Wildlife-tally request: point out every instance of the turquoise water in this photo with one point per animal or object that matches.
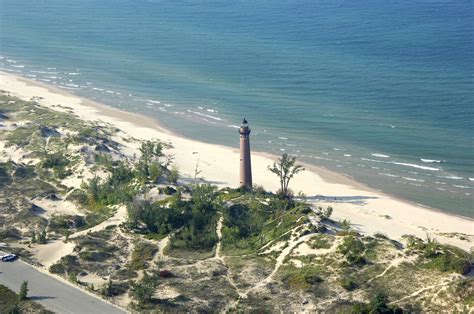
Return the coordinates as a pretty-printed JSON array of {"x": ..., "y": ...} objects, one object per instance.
[{"x": 379, "y": 90}]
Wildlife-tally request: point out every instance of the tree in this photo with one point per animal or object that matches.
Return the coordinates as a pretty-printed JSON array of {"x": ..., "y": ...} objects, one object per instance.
[
  {"x": 42, "y": 239},
  {"x": 107, "y": 288},
  {"x": 173, "y": 175},
  {"x": 155, "y": 172},
  {"x": 345, "y": 224},
  {"x": 23, "y": 295},
  {"x": 151, "y": 151},
  {"x": 285, "y": 169},
  {"x": 33, "y": 237},
  {"x": 66, "y": 236},
  {"x": 15, "y": 309},
  {"x": 143, "y": 290},
  {"x": 328, "y": 212}
]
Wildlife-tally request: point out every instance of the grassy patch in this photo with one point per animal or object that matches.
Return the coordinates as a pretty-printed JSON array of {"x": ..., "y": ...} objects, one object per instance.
[
  {"x": 143, "y": 253},
  {"x": 301, "y": 278},
  {"x": 321, "y": 241}
]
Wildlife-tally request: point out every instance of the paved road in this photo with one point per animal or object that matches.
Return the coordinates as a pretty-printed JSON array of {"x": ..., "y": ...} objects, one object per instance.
[{"x": 53, "y": 294}]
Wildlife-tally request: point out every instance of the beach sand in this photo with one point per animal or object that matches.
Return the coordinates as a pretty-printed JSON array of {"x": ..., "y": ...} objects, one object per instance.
[{"x": 368, "y": 210}]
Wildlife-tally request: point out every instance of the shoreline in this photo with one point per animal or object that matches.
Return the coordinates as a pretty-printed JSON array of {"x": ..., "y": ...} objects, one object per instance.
[{"x": 352, "y": 200}]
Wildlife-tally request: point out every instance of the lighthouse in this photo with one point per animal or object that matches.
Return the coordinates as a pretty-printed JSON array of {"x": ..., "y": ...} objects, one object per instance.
[{"x": 245, "y": 164}]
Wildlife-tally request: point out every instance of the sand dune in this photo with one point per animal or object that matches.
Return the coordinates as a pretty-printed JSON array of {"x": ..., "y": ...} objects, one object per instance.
[{"x": 369, "y": 211}]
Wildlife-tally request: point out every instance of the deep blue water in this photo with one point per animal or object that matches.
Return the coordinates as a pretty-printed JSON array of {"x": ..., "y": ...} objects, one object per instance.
[{"x": 341, "y": 84}]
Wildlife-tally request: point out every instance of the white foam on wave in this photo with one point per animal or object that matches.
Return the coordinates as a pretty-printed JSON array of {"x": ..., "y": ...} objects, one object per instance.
[
  {"x": 403, "y": 164},
  {"x": 388, "y": 175},
  {"x": 110, "y": 91},
  {"x": 99, "y": 89},
  {"x": 282, "y": 138},
  {"x": 167, "y": 105},
  {"x": 441, "y": 189},
  {"x": 439, "y": 182},
  {"x": 451, "y": 177},
  {"x": 18, "y": 66},
  {"x": 347, "y": 155},
  {"x": 431, "y": 160},
  {"x": 282, "y": 149},
  {"x": 153, "y": 101},
  {"x": 321, "y": 158},
  {"x": 71, "y": 85},
  {"x": 471, "y": 179},
  {"x": 461, "y": 186},
  {"x": 234, "y": 126},
  {"x": 373, "y": 160},
  {"x": 44, "y": 72},
  {"x": 205, "y": 115},
  {"x": 380, "y": 155},
  {"x": 413, "y": 179},
  {"x": 72, "y": 73},
  {"x": 11, "y": 61},
  {"x": 211, "y": 110},
  {"x": 415, "y": 166},
  {"x": 68, "y": 88}
]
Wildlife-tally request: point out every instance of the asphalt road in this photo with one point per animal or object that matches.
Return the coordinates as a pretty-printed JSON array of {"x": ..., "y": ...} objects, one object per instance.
[{"x": 53, "y": 294}]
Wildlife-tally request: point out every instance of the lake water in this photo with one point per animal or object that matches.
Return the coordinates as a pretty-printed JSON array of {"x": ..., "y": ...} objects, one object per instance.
[{"x": 379, "y": 90}]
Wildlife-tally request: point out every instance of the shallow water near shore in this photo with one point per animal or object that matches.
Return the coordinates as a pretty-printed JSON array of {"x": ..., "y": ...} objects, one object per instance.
[{"x": 378, "y": 91}]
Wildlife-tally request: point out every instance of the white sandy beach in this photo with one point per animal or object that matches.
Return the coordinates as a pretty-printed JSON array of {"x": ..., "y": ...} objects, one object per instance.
[{"x": 366, "y": 209}]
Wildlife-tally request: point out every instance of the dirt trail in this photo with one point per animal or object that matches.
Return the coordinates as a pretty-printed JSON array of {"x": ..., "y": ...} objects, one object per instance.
[
  {"x": 161, "y": 246},
  {"x": 219, "y": 238},
  {"x": 393, "y": 264},
  {"x": 119, "y": 217},
  {"x": 292, "y": 243},
  {"x": 418, "y": 292}
]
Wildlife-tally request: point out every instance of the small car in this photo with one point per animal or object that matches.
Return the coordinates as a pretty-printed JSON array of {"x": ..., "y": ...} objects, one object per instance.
[{"x": 9, "y": 258}]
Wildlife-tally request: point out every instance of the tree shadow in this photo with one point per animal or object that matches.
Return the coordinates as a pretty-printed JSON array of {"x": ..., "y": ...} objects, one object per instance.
[{"x": 40, "y": 297}]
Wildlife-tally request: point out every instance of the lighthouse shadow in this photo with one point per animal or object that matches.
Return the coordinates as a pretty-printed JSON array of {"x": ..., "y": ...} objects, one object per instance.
[
  {"x": 356, "y": 199},
  {"x": 189, "y": 181}
]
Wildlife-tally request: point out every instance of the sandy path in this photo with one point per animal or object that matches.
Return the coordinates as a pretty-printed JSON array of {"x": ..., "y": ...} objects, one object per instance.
[
  {"x": 119, "y": 217},
  {"x": 219, "y": 238}
]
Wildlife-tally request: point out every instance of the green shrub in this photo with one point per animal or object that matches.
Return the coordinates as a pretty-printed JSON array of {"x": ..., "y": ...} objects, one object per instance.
[
  {"x": 444, "y": 258},
  {"x": 142, "y": 255},
  {"x": 348, "y": 284},
  {"x": 302, "y": 278},
  {"x": 319, "y": 242}
]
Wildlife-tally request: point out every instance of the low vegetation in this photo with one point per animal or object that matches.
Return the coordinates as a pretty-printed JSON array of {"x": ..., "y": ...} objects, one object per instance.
[{"x": 197, "y": 248}]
